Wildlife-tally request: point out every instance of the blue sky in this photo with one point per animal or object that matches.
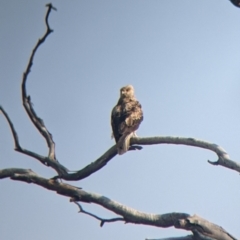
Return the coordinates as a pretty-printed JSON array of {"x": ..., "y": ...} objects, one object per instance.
[{"x": 183, "y": 59}]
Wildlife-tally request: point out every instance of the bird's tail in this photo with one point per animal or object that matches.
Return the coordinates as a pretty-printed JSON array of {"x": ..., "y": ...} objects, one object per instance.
[{"x": 124, "y": 143}]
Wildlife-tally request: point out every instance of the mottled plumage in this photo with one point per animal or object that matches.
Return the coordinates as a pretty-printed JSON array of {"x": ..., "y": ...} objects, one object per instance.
[{"x": 126, "y": 118}]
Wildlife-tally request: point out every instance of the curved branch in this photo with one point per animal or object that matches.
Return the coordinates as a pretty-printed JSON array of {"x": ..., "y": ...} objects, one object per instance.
[
  {"x": 203, "y": 229},
  {"x": 130, "y": 215},
  {"x": 199, "y": 226},
  {"x": 102, "y": 220},
  {"x": 60, "y": 169},
  {"x": 14, "y": 133},
  {"x": 16, "y": 140},
  {"x": 223, "y": 158},
  {"x": 92, "y": 167},
  {"x": 181, "y": 141},
  {"x": 38, "y": 122}
]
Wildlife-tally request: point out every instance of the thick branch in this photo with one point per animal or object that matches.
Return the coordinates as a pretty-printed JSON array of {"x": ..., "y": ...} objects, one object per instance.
[
  {"x": 200, "y": 228},
  {"x": 92, "y": 167},
  {"x": 9, "y": 172},
  {"x": 203, "y": 229},
  {"x": 130, "y": 215},
  {"x": 194, "y": 223},
  {"x": 223, "y": 158},
  {"x": 38, "y": 122},
  {"x": 189, "y": 237}
]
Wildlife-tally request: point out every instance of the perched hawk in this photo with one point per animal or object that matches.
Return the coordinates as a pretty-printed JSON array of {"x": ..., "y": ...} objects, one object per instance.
[{"x": 126, "y": 118}]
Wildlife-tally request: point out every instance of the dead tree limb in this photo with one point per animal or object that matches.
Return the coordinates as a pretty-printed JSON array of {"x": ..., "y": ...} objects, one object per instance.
[
  {"x": 26, "y": 99},
  {"x": 102, "y": 220},
  {"x": 60, "y": 169},
  {"x": 223, "y": 158},
  {"x": 200, "y": 228}
]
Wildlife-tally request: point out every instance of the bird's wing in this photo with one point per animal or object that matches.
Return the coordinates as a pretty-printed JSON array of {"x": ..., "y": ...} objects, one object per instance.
[
  {"x": 117, "y": 118},
  {"x": 133, "y": 118},
  {"x": 128, "y": 127}
]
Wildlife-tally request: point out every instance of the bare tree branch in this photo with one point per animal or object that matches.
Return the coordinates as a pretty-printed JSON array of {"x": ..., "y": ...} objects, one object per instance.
[
  {"x": 60, "y": 169},
  {"x": 14, "y": 133},
  {"x": 92, "y": 167},
  {"x": 223, "y": 158},
  {"x": 203, "y": 228},
  {"x": 16, "y": 140},
  {"x": 102, "y": 220},
  {"x": 38, "y": 122},
  {"x": 196, "y": 236},
  {"x": 8, "y": 172},
  {"x": 130, "y": 215},
  {"x": 199, "y": 226},
  {"x": 189, "y": 237},
  {"x": 76, "y": 194}
]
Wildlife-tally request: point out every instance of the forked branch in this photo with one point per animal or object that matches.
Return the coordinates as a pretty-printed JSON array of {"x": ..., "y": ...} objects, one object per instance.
[
  {"x": 200, "y": 228},
  {"x": 60, "y": 169},
  {"x": 223, "y": 158},
  {"x": 39, "y": 124},
  {"x": 196, "y": 224},
  {"x": 26, "y": 99},
  {"x": 16, "y": 140},
  {"x": 102, "y": 220}
]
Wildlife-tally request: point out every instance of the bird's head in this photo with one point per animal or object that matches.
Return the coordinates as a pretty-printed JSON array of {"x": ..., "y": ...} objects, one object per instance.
[{"x": 127, "y": 91}]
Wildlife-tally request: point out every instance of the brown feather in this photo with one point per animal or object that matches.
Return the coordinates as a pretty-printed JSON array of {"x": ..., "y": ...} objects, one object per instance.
[{"x": 126, "y": 118}]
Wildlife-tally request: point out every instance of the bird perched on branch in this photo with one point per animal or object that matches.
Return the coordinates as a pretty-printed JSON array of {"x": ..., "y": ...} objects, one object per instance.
[{"x": 126, "y": 118}]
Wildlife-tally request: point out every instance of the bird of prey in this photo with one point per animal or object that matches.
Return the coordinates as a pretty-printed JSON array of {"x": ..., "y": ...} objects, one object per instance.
[{"x": 125, "y": 118}]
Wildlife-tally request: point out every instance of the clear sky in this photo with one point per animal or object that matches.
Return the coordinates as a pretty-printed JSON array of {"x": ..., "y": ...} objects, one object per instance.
[{"x": 183, "y": 59}]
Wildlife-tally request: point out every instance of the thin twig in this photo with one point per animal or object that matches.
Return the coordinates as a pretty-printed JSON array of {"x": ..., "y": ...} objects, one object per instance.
[
  {"x": 14, "y": 133},
  {"x": 38, "y": 122},
  {"x": 102, "y": 220},
  {"x": 16, "y": 140},
  {"x": 60, "y": 169}
]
